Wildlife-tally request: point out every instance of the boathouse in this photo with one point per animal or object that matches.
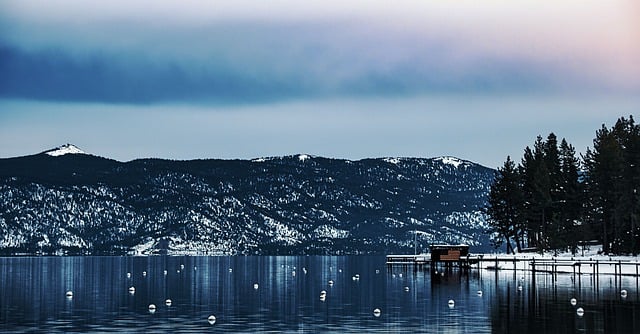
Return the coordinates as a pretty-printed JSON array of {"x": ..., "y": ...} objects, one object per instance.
[{"x": 448, "y": 253}]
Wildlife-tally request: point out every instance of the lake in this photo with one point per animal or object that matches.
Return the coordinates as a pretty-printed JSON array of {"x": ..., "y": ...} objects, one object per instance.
[{"x": 283, "y": 294}]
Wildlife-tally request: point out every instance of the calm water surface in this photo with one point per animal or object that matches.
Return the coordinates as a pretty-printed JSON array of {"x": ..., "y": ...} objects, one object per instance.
[{"x": 287, "y": 297}]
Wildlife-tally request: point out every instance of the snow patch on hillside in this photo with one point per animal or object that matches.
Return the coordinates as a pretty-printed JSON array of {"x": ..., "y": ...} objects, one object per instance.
[
  {"x": 450, "y": 161},
  {"x": 65, "y": 149},
  {"x": 328, "y": 231}
]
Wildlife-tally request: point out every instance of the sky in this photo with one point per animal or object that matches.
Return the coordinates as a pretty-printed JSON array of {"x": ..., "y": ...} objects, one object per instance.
[{"x": 343, "y": 79}]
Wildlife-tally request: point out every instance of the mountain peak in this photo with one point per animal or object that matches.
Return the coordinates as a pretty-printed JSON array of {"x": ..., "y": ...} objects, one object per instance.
[
  {"x": 448, "y": 160},
  {"x": 64, "y": 149}
]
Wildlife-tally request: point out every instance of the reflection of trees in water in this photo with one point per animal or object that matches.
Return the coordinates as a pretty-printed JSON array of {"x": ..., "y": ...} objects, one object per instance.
[{"x": 543, "y": 305}]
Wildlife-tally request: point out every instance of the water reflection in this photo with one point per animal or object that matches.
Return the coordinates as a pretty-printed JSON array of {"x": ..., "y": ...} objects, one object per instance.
[{"x": 284, "y": 294}]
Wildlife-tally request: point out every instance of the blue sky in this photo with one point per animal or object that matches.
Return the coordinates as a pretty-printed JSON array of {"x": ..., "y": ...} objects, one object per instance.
[{"x": 245, "y": 79}]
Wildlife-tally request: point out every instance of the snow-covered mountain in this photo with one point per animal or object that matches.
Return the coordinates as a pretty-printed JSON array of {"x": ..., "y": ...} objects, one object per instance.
[{"x": 302, "y": 204}]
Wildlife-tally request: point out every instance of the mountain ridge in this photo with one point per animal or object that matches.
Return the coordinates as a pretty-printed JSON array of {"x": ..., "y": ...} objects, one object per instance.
[
  {"x": 297, "y": 204},
  {"x": 302, "y": 156}
]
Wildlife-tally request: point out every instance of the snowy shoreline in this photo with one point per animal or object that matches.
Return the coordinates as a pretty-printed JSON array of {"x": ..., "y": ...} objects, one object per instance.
[{"x": 562, "y": 263}]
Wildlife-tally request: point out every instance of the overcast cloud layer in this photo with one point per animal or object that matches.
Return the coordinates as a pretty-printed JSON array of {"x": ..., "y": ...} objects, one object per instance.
[{"x": 294, "y": 65}]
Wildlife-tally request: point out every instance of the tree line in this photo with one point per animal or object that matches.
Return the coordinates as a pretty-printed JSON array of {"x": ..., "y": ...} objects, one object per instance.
[{"x": 555, "y": 200}]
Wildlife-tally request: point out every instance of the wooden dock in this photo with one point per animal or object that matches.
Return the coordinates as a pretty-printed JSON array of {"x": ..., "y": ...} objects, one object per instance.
[
  {"x": 420, "y": 259},
  {"x": 551, "y": 265},
  {"x": 448, "y": 255}
]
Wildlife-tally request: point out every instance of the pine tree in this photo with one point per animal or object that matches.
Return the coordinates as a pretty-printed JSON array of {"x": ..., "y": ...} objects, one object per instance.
[
  {"x": 537, "y": 185},
  {"x": 504, "y": 206},
  {"x": 528, "y": 212},
  {"x": 627, "y": 136},
  {"x": 605, "y": 173},
  {"x": 552, "y": 209},
  {"x": 571, "y": 202},
  {"x": 632, "y": 175}
]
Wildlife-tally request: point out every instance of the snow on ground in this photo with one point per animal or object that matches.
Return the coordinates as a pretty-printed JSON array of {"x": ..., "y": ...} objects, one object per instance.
[
  {"x": 65, "y": 149},
  {"x": 145, "y": 248},
  {"x": 303, "y": 157},
  {"x": 327, "y": 231},
  {"x": 179, "y": 247},
  {"x": 394, "y": 161},
  {"x": 564, "y": 262},
  {"x": 450, "y": 161}
]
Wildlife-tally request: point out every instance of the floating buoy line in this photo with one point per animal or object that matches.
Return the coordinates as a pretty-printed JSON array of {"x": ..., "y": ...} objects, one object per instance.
[{"x": 152, "y": 308}]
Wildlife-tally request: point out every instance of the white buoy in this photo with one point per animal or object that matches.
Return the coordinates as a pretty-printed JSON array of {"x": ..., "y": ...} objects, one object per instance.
[
  {"x": 623, "y": 293},
  {"x": 451, "y": 303},
  {"x": 178, "y": 271},
  {"x": 377, "y": 272},
  {"x": 144, "y": 274},
  {"x": 353, "y": 278},
  {"x": 211, "y": 319},
  {"x": 255, "y": 286},
  {"x": 132, "y": 290},
  {"x": 152, "y": 308},
  {"x": 393, "y": 275},
  {"x": 165, "y": 272},
  {"x": 195, "y": 268},
  {"x": 182, "y": 267},
  {"x": 69, "y": 294},
  {"x": 376, "y": 312},
  {"x": 168, "y": 302},
  {"x": 580, "y": 311},
  {"x": 339, "y": 270},
  {"x": 400, "y": 275},
  {"x": 128, "y": 275},
  {"x": 573, "y": 302},
  {"x": 406, "y": 288},
  {"x": 479, "y": 293},
  {"x": 330, "y": 282}
]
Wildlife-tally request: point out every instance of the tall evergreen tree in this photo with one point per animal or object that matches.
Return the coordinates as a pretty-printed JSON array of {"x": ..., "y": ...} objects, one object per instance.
[
  {"x": 571, "y": 198},
  {"x": 537, "y": 185},
  {"x": 605, "y": 166},
  {"x": 552, "y": 209},
  {"x": 504, "y": 206},
  {"x": 627, "y": 134},
  {"x": 632, "y": 175}
]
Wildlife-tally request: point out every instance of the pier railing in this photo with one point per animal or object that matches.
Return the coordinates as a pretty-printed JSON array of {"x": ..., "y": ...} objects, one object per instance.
[{"x": 552, "y": 265}]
